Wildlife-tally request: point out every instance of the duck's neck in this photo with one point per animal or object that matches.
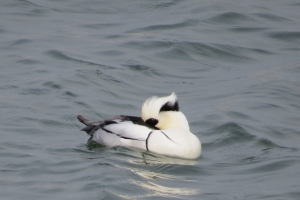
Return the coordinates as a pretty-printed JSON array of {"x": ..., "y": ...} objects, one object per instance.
[{"x": 172, "y": 119}]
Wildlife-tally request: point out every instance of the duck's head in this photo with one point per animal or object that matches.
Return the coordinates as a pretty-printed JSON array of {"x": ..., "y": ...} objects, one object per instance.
[{"x": 163, "y": 113}]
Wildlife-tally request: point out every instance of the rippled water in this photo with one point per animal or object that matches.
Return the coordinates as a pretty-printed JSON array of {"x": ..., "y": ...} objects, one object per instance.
[{"x": 234, "y": 65}]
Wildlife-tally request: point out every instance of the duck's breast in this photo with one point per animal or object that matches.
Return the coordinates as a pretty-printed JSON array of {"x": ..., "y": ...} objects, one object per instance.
[{"x": 177, "y": 142}]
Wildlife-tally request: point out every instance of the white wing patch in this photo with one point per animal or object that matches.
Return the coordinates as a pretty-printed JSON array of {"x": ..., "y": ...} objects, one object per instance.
[{"x": 128, "y": 130}]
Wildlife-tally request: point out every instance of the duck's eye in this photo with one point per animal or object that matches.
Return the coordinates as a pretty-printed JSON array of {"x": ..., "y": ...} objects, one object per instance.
[{"x": 152, "y": 121}]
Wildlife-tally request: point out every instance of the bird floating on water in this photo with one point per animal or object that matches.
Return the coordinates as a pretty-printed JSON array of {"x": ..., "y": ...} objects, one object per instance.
[{"x": 161, "y": 129}]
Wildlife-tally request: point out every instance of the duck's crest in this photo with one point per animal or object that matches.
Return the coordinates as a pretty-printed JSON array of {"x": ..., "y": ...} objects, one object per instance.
[{"x": 154, "y": 105}]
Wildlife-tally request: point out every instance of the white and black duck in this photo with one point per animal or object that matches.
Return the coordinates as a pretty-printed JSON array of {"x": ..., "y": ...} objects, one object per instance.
[{"x": 162, "y": 129}]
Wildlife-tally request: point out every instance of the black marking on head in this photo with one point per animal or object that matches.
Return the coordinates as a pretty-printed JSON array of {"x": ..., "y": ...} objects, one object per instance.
[
  {"x": 152, "y": 122},
  {"x": 169, "y": 106}
]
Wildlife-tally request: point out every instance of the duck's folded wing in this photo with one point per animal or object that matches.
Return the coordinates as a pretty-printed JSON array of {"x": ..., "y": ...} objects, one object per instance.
[
  {"x": 128, "y": 130},
  {"x": 121, "y": 133},
  {"x": 118, "y": 131}
]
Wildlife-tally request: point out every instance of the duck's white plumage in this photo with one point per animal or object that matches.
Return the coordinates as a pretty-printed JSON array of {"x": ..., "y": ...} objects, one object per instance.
[
  {"x": 152, "y": 106},
  {"x": 162, "y": 129}
]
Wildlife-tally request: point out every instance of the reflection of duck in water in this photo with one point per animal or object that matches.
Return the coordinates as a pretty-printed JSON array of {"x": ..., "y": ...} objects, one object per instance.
[{"x": 162, "y": 129}]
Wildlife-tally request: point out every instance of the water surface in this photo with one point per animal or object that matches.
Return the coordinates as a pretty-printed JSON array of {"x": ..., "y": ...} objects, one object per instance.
[{"x": 234, "y": 65}]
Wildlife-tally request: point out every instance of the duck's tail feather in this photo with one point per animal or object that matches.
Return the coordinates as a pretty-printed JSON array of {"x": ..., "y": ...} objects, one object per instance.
[
  {"x": 84, "y": 120},
  {"x": 88, "y": 122},
  {"x": 91, "y": 126},
  {"x": 88, "y": 129}
]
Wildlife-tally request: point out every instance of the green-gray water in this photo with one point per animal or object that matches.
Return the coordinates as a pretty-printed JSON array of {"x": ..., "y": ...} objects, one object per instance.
[{"x": 235, "y": 66}]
